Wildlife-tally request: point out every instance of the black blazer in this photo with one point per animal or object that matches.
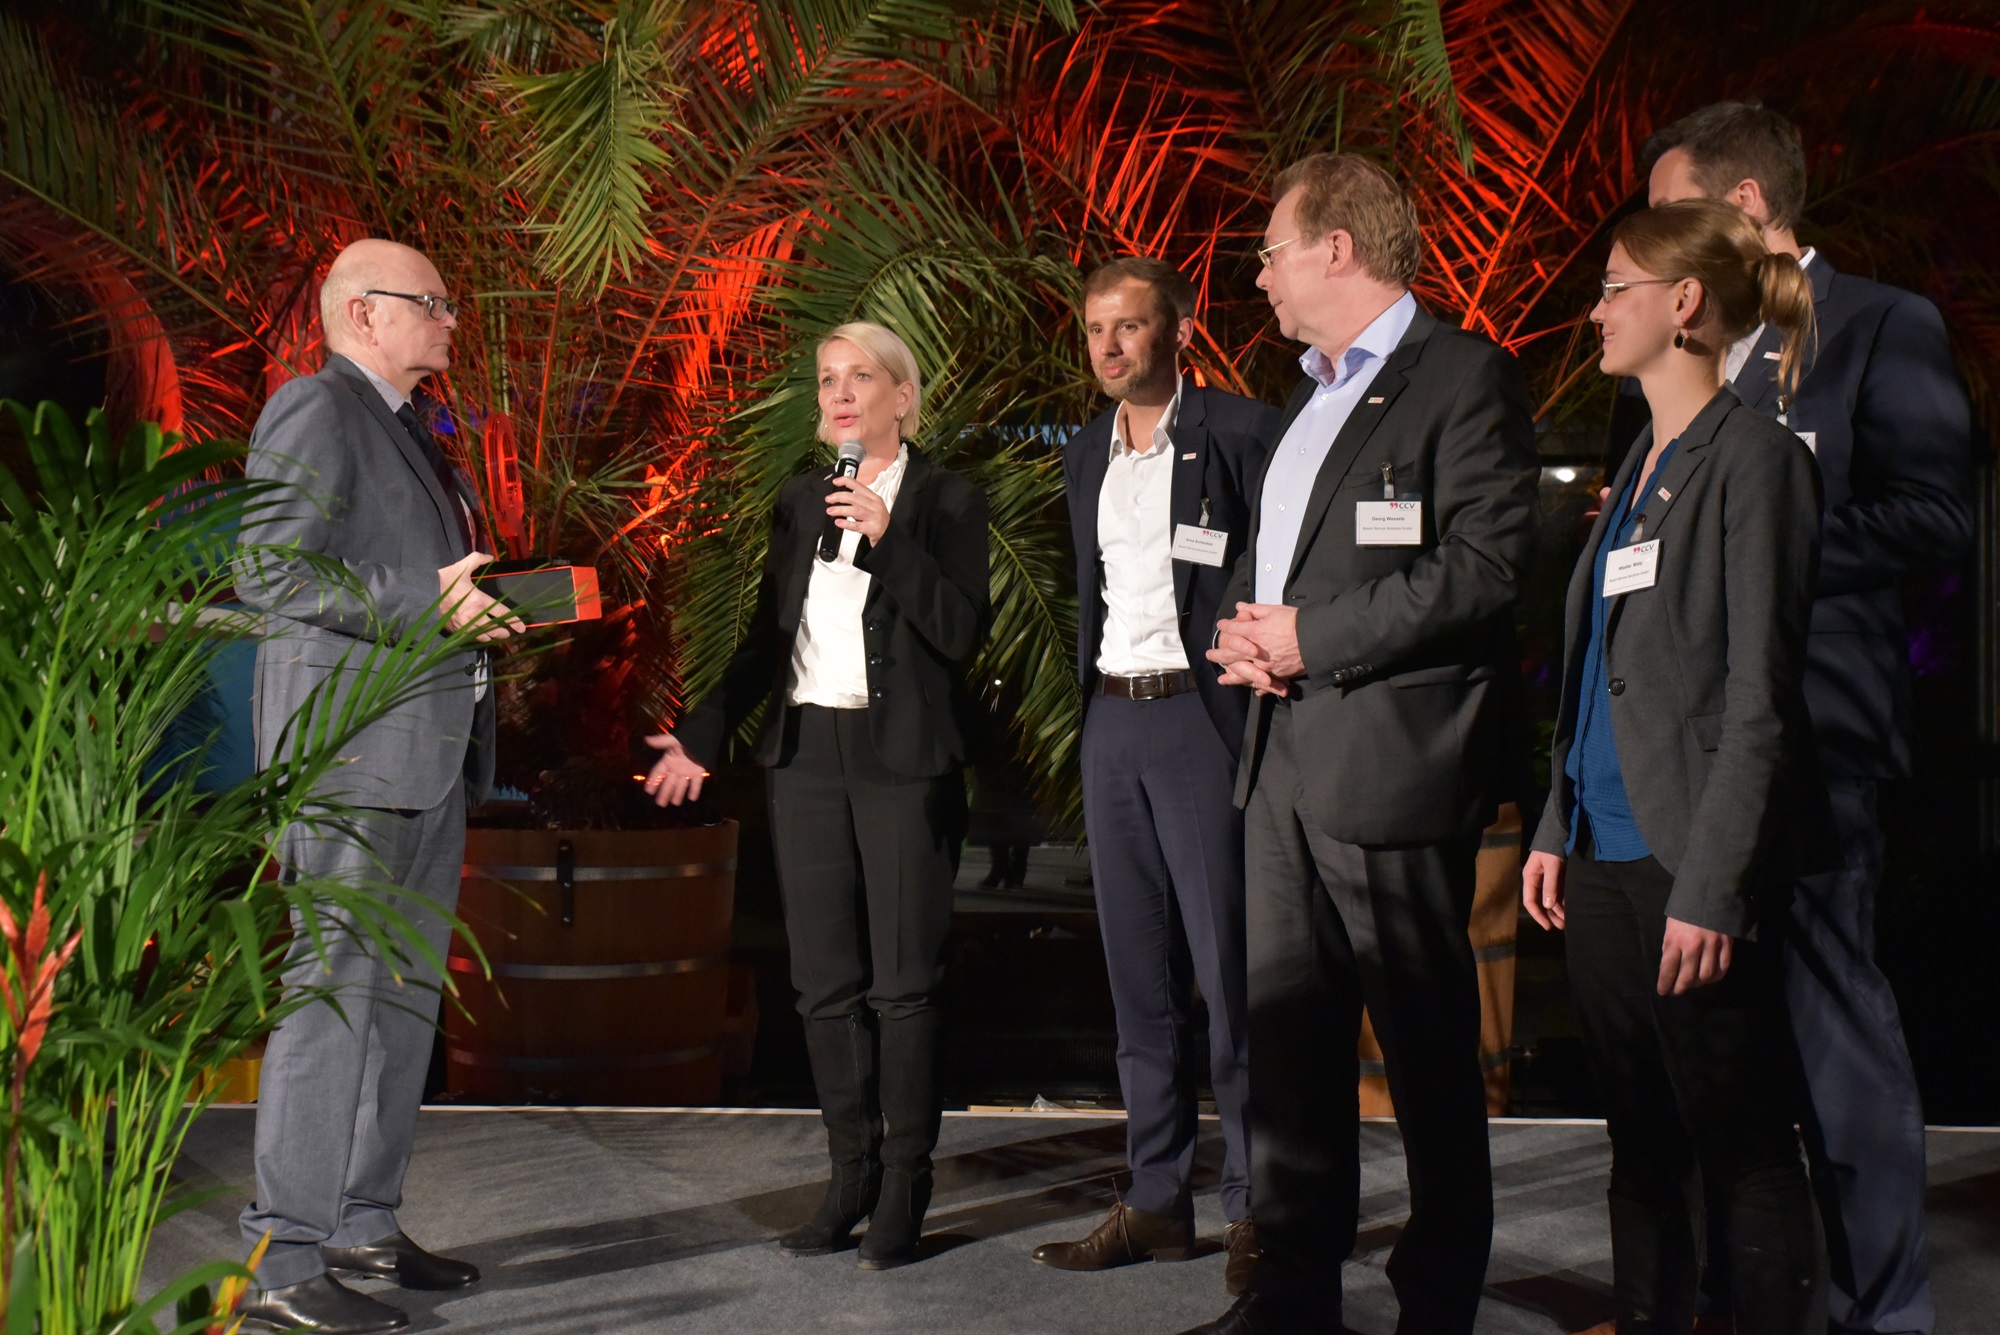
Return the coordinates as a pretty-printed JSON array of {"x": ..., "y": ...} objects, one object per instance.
[
  {"x": 1220, "y": 441},
  {"x": 1407, "y": 705},
  {"x": 924, "y": 619},
  {"x": 1892, "y": 431},
  {"x": 1714, "y": 742}
]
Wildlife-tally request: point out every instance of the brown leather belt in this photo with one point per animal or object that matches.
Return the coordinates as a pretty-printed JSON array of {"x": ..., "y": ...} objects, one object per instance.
[{"x": 1146, "y": 685}]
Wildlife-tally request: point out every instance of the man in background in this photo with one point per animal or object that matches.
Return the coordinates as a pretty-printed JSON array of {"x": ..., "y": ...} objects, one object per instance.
[
  {"x": 362, "y": 483},
  {"x": 1882, "y": 407},
  {"x": 1159, "y": 509}
]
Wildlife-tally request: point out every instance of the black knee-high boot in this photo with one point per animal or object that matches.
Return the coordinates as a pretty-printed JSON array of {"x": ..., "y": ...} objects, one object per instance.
[
  {"x": 842, "y": 1051},
  {"x": 910, "y": 1114}
]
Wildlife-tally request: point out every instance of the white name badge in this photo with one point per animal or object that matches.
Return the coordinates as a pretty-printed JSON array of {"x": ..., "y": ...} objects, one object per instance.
[
  {"x": 1203, "y": 546},
  {"x": 1811, "y": 438},
  {"x": 1388, "y": 523},
  {"x": 1632, "y": 568}
]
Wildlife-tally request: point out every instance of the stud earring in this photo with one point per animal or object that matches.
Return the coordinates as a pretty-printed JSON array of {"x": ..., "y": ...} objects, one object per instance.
[{"x": 1680, "y": 338}]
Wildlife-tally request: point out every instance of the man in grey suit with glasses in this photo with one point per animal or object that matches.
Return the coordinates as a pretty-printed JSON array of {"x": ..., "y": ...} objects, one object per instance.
[{"x": 362, "y": 483}]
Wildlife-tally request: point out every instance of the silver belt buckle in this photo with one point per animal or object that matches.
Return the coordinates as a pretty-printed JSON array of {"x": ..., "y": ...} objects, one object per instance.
[{"x": 1149, "y": 686}]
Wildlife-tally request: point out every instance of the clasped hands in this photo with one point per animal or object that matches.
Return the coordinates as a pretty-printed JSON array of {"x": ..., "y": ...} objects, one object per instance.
[
  {"x": 1690, "y": 956},
  {"x": 1259, "y": 648}
]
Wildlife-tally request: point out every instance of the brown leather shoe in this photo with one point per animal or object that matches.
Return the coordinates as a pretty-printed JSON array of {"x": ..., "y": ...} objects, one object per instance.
[
  {"x": 1244, "y": 1253},
  {"x": 1126, "y": 1237}
]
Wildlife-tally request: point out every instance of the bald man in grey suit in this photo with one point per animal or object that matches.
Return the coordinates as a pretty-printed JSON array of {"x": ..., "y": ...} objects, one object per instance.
[{"x": 361, "y": 482}]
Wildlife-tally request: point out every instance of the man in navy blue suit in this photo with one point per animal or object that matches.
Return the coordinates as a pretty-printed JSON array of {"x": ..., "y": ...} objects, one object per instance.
[
  {"x": 1158, "y": 489},
  {"x": 1882, "y": 407}
]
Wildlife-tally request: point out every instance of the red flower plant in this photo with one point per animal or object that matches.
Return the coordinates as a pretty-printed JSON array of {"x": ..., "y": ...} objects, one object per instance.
[{"x": 28, "y": 989}]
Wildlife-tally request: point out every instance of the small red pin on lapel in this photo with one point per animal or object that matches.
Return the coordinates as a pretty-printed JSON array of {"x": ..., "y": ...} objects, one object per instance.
[{"x": 1666, "y": 495}]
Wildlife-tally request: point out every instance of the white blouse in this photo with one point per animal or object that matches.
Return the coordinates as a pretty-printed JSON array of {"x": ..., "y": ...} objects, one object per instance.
[{"x": 829, "y": 659}]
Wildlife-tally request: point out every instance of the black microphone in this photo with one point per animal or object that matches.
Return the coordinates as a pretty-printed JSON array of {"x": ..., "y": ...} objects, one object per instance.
[{"x": 847, "y": 465}]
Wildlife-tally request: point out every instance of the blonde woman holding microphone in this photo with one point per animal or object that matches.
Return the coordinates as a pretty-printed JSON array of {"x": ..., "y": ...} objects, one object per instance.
[
  {"x": 1684, "y": 790},
  {"x": 873, "y": 602}
]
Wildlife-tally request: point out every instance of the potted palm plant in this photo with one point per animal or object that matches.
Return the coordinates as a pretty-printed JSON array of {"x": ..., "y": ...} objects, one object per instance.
[{"x": 143, "y": 941}]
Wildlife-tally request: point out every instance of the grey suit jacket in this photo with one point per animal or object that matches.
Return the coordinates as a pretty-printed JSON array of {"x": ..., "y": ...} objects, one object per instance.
[
  {"x": 1714, "y": 742},
  {"x": 357, "y": 489},
  {"x": 1407, "y": 703}
]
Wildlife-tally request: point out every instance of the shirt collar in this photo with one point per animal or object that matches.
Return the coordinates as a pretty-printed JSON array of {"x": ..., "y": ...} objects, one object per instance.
[
  {"x": 892, "y": 476},
  {"x": 392, "y": 396},
  {"x": 1162, "y": 434},
  {"x": 1807, "y": 256},
  {"x": 1378, "y": 340}
]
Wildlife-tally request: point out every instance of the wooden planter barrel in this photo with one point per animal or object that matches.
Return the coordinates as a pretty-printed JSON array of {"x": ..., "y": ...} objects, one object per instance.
[
  {"x": 611, "y": 977},
  {"x": 1496, "y": 906}
]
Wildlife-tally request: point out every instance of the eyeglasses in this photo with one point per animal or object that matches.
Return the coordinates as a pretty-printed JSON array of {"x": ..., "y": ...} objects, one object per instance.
[
  {"x": 1613, "y": 289},
  {"x": 1264, "y": 253},
  {"x": 428, "y": 302}
]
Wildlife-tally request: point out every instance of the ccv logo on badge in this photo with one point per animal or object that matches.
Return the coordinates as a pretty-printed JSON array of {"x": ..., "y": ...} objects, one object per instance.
[{"x": 1404, "y": 505}]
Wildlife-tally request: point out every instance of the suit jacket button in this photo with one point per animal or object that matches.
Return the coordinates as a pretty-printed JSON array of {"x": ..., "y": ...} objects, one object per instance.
[
  {"x": 874, "y": 660},
  {"x": 878, "y": 692},
  {"x": 873, "y": 625},
  {"x": 1616, "y": 686}
]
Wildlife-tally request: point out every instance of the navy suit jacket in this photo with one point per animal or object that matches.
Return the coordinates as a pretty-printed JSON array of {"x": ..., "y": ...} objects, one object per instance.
[
  {"x": 1220, "y": 442},
  {"x": 1889, "y": 421}
]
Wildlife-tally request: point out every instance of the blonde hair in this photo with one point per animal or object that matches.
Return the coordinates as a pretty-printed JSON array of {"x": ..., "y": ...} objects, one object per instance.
[
  {"x": 1344, "y": 193},
  {"x": 1745, "y": 282},
  {"x": 893, "y": 355}
]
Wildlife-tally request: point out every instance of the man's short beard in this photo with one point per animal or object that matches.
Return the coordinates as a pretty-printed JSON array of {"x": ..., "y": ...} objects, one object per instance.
[{"x": 1159, "y": 372}]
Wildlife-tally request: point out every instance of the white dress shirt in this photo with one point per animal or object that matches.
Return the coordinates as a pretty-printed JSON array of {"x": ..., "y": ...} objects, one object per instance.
[
  {"x": 829, "y": 659},
  {"x": 397, "y": 399},
  {"x": 1739, "y": 351},
  {"x": 1295, "y": 464},
  {"x": 1142, "y": 630}
]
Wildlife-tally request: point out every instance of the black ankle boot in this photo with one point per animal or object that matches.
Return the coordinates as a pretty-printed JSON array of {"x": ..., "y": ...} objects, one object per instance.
[
  {"x": 842, "y": 1050},
  {"x": 910, "y": 1114},
  {"x": 895, "y": 1232}
]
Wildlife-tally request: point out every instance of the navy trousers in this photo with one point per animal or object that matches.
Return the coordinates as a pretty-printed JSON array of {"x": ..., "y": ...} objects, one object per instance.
[
  {"x": 1865, "y": 1134},
  {"x": 1166, "y": 856}
]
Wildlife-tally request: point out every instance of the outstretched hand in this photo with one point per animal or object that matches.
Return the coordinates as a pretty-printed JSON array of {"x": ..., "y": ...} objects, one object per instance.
[{"x": 675, "y": 778}]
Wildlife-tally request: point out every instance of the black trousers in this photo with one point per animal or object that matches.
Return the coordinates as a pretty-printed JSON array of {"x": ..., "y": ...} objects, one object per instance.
[
  {"x": 1166, "y": 858},
  {"x": 865, "y": 868},
  {"x": 1698, "y": 1094},
  {"x": 1865, "y": 1138},
  {"x": 1333, "y": 926}
]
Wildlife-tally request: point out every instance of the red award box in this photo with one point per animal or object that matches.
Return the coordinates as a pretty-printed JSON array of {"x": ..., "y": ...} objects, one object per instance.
[{"x": 543, "y": 594}]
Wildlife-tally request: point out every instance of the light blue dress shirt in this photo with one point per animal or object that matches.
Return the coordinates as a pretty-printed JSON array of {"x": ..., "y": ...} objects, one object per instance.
[{"x": 1296, "y": 462}]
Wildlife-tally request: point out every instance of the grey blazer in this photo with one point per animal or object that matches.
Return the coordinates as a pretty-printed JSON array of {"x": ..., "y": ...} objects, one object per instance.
[
  {"x": 1407, "y": 704},
  {"x": 1714, "y": 742},
  {"x": 358, "y": 490}
]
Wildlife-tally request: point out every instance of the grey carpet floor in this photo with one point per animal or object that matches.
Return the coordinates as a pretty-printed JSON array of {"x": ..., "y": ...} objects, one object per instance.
[{"x": 634, "y": 1221}]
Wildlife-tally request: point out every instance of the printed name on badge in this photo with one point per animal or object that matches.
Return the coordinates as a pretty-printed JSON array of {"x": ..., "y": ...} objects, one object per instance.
[
  {"x": 1203, "y": 546},
  {"x": 1388, "y": 523},
  {"x": 1630, "y": 569}
]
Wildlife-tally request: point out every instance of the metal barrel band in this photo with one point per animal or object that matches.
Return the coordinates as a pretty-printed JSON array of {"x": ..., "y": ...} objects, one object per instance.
[
  {"x": 638, "y": 1061},
  {"x": 577, "y": 973},
  {"x": 679, "y": 871}
]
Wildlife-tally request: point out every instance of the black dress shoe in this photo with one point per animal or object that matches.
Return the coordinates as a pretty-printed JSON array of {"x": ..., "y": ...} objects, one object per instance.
[
  {"x": 321, "y": 1303},
  {"x": 1253, "y": 1314},
  {"x": 401, "y": 1262}
]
